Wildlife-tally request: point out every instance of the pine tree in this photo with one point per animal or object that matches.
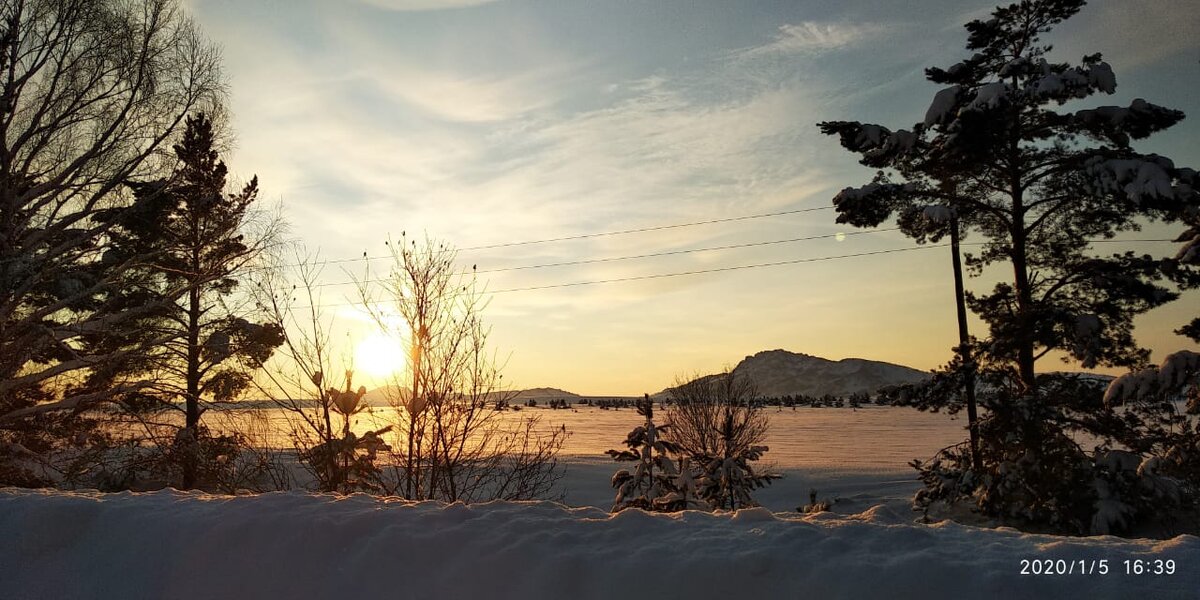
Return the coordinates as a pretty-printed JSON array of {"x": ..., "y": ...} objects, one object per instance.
[
  {"x": 1036, "y": 182},
  {"x": 196, "y": 234},
  {"x": 726, "y": 477},
  {"x": 1167, "y": 438},
  {"x": 656, "y": 483},
  {"x": 346, "y": 464}
]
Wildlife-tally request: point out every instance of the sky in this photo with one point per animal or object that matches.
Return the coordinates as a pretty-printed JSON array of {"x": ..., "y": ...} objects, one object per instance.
[{"x": 484, "y": 122}]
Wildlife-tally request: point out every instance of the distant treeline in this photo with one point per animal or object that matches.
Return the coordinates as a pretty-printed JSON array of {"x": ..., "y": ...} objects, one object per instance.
[{"x": 802, "y": 400}]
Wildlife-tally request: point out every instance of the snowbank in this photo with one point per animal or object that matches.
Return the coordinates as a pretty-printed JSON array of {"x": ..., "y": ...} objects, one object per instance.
[{"x": 177, "y": 545}]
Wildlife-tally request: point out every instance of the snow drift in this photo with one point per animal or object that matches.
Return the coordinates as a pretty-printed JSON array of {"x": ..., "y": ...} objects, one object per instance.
[{"x": 285, "y": 545}]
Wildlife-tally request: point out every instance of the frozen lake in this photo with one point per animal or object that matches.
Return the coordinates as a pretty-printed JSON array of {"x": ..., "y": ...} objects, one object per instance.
[
  {"x": 859, "y": 455},
  {"x": 871, "y": 437}
]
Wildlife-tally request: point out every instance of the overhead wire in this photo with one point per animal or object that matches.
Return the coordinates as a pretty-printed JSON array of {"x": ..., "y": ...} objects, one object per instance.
[
  {"x": 691, "y": 251},
  {"x": 715, "y": 269},
  {"x": 720, "y": 269},
  {"x": 590, "y": 261},
  {"x": 685, "y": 273},
  {"x": 583, "y": 236}
]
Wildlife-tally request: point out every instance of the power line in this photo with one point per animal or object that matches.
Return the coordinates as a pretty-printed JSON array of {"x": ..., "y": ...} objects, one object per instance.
[
  {"x": 691, "y": 251},
  {"x": 1131, "y": 241},
  {"x": 590, "y": 261},
  {"x": 683, "y": 273},
  {"x": 657, "y": 228},
  {"x": 605, "y": 233},
  {"x": 724, "y": 269},
  {"x": 720, "y": 269}
]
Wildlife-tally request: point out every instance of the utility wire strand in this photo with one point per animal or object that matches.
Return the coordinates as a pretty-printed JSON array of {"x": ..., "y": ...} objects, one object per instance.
[
  {"x": 660, "y": 228},
  {"x": 1131, "y": 241},
  {"x": 680, "y": 273},
  {"x": 720, "y": 269},
  {"x": 607, "y": 233},
  {"x": 657, "y": 228},
  {"x": 590, "y": 261}
]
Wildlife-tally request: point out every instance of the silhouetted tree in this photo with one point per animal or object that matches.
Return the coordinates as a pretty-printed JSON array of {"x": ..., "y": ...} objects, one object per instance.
[
  {"x": 1189, "y": 253},
  {"x": 726, "y": 477},
  {"x": 92, "y": 91},
  {"x": 1037, "y": 182},
  {"x": 300, "y": 380},
  {"x": 1166, "y": 439},
  {"x": 200, "y": 246},
  {"x": 451, "y": 444},
  {"x": 698, "y": 408}
]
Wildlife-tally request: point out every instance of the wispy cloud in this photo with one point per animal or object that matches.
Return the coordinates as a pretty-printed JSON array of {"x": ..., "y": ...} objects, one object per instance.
[
  {"x": 369, "y": 123},
  {"x": 423, "y": 5},
  {"x": 395, "y": 144},
  {"x": 812, "y": 36},
  {"x": 1144, "y": 32},
  {"x": 464, "y": 99}
]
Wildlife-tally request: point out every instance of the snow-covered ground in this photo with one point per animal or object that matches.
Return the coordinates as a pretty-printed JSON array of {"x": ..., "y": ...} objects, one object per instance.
[
  {"x": 284, "y": 545},
  {"x": 294, "y": 545}
]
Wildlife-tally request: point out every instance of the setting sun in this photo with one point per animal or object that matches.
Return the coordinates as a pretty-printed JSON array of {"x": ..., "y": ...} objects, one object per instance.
[{"x": 379, "y": 355}]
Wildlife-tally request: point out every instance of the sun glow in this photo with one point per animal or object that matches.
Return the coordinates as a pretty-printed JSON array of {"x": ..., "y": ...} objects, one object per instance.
[{"x": 379, "y": 356}]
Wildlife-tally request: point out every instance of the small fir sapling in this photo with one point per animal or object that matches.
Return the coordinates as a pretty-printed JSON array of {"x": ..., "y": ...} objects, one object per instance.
[
  {"x": 655, "y": 483},
  {"x": 727, "y": 478},
  {"x": 347, "y": 464}
]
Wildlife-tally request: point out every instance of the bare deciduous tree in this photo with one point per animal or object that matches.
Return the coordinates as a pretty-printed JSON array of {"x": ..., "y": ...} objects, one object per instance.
[
  {"x": 699, "y": 406},
  {"x": 91, "y": 91},
  {"x": 299, "y": 380},
  {"x": 452, "y": 442},
  {"x": 716, "y": 423}
]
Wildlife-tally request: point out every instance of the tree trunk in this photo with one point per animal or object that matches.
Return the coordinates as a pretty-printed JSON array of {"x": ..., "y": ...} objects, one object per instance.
[
  {"x": 1025, "y": 335},
  {"x": 409, "y": 466},
  {"x": 964, "y": 345},
  {"x": 192, "y": 400}
]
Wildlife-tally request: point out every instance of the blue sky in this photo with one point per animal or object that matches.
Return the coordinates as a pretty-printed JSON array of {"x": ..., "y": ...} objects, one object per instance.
[{"x": 488, "y": 122}]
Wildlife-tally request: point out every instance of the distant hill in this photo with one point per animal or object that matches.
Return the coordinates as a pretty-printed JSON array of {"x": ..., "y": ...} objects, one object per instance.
[
  {"x": 547, "y": 393},
  {"x": 779, "y": 373},
  {"x": 379, "y": 396}
]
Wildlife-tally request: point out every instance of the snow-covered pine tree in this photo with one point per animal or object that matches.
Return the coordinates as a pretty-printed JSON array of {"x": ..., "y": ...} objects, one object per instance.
[
  {"x": 1037, "y": 182},
  {"x": 1189, "y": 253},
  {"x": 718, "y": 424},
  {"x": 1163, "y": 473},
  {"x": 655, "y": 483}
]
